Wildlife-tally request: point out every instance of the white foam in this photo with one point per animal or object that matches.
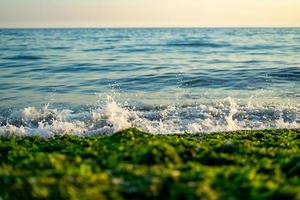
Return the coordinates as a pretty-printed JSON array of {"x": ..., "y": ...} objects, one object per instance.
[
  {"x": 116, "y": 116},
  {"x": 111, "y": 116},
  {"x": 11, "y": 130}
]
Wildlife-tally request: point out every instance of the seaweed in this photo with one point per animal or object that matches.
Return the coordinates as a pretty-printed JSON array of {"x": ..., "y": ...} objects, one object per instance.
[{"x": 131, "y": 164}]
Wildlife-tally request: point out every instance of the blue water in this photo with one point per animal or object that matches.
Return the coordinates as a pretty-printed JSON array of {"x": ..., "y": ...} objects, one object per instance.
[{"x": 161, "y": 80}]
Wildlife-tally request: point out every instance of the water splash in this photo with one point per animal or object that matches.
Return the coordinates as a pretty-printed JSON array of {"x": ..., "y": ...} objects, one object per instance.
[
  {"x": 231, "y": 123},
  {"x": 111, "y": 116}
]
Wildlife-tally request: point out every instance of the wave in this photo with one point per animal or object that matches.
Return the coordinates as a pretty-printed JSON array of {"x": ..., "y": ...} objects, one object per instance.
[
  {"x": 24, "y": 57},
  {"x": 259, "y": 47},
  {"x": 197, "y": 44},
  {"x": 97, "y": 49},
  {"x": 111, "y": 117},
  {"x": 59, "y": 48}
]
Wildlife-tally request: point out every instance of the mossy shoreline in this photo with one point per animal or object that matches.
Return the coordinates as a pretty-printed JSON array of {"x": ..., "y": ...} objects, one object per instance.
[{"x": 131, "y": 164}]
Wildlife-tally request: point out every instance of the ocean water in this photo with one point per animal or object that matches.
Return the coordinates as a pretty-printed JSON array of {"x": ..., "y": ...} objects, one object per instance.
[{"x": 95, "y": 81}]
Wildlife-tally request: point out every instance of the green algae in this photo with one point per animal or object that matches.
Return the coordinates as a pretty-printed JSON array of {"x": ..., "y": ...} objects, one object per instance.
[{"x": 135, "y": 165}]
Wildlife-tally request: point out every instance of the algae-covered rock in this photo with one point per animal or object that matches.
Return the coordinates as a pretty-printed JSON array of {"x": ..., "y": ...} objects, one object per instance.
[{"x": 134, "y": 165}]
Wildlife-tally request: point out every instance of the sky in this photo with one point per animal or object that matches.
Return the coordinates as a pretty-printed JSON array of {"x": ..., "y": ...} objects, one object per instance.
[{"x": 149, "y": 13}]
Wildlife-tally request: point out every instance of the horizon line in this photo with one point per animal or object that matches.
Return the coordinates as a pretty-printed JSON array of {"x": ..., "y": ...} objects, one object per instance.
[{"x": 138, "y": 27}]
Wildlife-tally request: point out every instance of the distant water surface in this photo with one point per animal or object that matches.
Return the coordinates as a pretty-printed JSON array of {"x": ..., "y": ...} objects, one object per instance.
[{"x": 91, "y": 81}]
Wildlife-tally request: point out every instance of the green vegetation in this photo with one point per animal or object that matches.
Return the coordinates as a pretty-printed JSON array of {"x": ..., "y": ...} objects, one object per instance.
[{"x": 135, "y": 165}]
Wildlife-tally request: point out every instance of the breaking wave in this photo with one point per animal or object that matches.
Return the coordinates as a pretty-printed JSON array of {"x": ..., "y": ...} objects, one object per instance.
[{"x": 111, "y": 116}]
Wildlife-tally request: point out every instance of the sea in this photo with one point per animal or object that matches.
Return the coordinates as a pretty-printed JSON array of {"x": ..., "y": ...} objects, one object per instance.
[{"x": 92, "y": 81}]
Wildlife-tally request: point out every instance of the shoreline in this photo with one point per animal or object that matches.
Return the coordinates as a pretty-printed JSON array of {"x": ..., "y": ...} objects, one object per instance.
[{"x": 87, "y": 136}]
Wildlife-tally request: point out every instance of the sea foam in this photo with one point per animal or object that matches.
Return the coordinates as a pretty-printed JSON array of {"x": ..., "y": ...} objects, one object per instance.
[{"x": 111, "y": 117}]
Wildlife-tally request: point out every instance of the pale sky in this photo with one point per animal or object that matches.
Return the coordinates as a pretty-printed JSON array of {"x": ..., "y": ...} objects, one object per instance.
[{"x": 149, "y": 13}]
